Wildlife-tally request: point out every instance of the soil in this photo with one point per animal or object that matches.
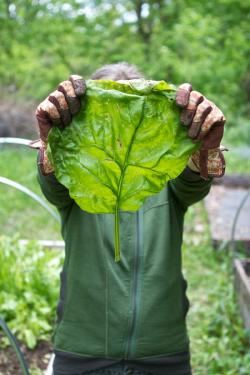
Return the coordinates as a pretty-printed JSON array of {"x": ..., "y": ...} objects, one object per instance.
[{"x": 38, "y": 357}]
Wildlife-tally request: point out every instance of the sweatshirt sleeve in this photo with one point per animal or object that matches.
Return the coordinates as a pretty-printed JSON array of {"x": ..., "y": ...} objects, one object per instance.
[
  {"x": 189, "y": 187},
  {"x": 54, "y": 191}
]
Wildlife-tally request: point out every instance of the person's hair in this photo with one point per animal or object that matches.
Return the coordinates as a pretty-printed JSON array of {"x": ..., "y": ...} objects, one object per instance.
[{"x": 116, "y": 72}]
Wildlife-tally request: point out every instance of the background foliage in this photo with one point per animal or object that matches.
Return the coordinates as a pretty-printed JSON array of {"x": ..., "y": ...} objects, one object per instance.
[{"x": 206, "y": 43}]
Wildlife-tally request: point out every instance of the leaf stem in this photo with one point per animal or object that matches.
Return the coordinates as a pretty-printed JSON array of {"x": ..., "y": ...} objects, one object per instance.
[
  {"x": 117, "y": 234},
  {"x": 117, "y": 225}
]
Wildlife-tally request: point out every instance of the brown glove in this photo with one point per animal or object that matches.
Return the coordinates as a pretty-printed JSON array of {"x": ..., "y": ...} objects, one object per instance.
[
  {"x": 57, "y": 110},
  {"x": 206, "y": 124}
]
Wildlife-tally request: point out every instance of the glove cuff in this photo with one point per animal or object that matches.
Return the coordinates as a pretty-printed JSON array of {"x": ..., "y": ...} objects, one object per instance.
[
  {"x": 43, "y": 161},
  {"x": 193, "y": 166},
  {"x": 210, "y": 163}
]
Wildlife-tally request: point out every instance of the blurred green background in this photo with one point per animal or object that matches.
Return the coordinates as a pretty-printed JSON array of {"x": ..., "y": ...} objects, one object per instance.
[
  {"x": 206, "y": 43},
  {"x": 42, "y": 42}
]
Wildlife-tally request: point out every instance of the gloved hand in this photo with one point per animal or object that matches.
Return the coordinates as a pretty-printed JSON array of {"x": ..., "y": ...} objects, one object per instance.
[
  {"x": 57, "y": 110},
  {"x": 205, "y": 123}
]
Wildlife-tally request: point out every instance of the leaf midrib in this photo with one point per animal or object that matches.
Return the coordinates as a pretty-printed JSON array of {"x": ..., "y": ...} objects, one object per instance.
[{"x": 125, "y": 164}]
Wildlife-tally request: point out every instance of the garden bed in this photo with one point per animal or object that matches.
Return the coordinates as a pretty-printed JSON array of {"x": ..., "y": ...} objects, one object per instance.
[
  {"x": 223, "y": 205},
  {"x": 37, "y": 358},
  {"x": 242, "y": 287}
]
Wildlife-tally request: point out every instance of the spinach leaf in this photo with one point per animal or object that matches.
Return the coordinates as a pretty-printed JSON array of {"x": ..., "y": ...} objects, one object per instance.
[{"x": 122, "y": 147}]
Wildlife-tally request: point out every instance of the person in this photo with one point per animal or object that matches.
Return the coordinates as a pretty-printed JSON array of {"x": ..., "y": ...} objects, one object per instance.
[{"x": 127, "y": 317}]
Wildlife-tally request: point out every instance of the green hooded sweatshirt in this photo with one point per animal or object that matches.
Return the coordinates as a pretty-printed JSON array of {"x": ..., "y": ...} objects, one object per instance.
[{"x": 135, "y": 308}]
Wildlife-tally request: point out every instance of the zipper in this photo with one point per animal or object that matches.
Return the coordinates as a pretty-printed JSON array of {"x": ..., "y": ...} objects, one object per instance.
[{"x": 136, "y": 286}]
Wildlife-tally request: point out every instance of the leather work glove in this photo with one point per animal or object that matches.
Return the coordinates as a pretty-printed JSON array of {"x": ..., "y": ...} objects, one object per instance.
[
  {"x": 57, "y": 110},
  {"x": 205, "y": 123}
]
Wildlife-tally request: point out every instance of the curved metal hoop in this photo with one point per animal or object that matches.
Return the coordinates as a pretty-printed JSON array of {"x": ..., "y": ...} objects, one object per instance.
[
  {"x": 20, "y": 187},
  {"x": 31, "y": 194},
  {"x": 17, "y": 141}
]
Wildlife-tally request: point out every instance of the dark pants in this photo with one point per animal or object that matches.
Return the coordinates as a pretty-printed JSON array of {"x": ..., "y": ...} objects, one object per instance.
[
  {"x": 117, "y": 369},
  {"x": 120, "y": 369}
]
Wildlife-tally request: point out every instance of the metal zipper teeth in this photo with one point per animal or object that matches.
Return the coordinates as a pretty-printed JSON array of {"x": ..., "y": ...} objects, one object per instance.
[{"x": 135, "y": 291}]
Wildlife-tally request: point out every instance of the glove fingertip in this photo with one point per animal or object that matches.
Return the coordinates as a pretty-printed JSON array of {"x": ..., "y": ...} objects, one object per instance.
[
  {"x": 64, "y": 114},
  {"x": 73, "y": 101},
  {"x": 79, "y": 84},
  {"x": 182, "y": 95}
]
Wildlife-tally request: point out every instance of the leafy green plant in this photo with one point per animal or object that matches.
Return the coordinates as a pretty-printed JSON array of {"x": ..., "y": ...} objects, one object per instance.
[
  {"x": 125, "y": 144},
  {"x": 28, "y": 289}
]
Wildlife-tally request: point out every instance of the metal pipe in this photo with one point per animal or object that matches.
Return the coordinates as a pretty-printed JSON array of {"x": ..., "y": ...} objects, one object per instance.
[
  {"x": 17, "y": 141},
  {"x": 34, "y": 196}
]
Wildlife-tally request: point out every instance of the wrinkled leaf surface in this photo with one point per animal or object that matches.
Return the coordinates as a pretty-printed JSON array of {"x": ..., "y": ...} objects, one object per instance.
[{"x": 122, "y": 147}]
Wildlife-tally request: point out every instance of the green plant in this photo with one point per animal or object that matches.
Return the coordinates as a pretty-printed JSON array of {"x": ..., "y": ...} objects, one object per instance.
[{"x": 28, "y": 289}]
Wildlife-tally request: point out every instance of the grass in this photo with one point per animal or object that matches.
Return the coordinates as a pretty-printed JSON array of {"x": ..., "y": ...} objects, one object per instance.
[
  {"x": 18, "y": 212},
  {"x": 237, "y": 160},
  {"x": 219, "y": 344},
  {"x": 239, "y": 133}
]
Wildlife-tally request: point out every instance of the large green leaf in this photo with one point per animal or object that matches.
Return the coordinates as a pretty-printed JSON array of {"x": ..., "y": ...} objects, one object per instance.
[{"x": 122, "y": 147}]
